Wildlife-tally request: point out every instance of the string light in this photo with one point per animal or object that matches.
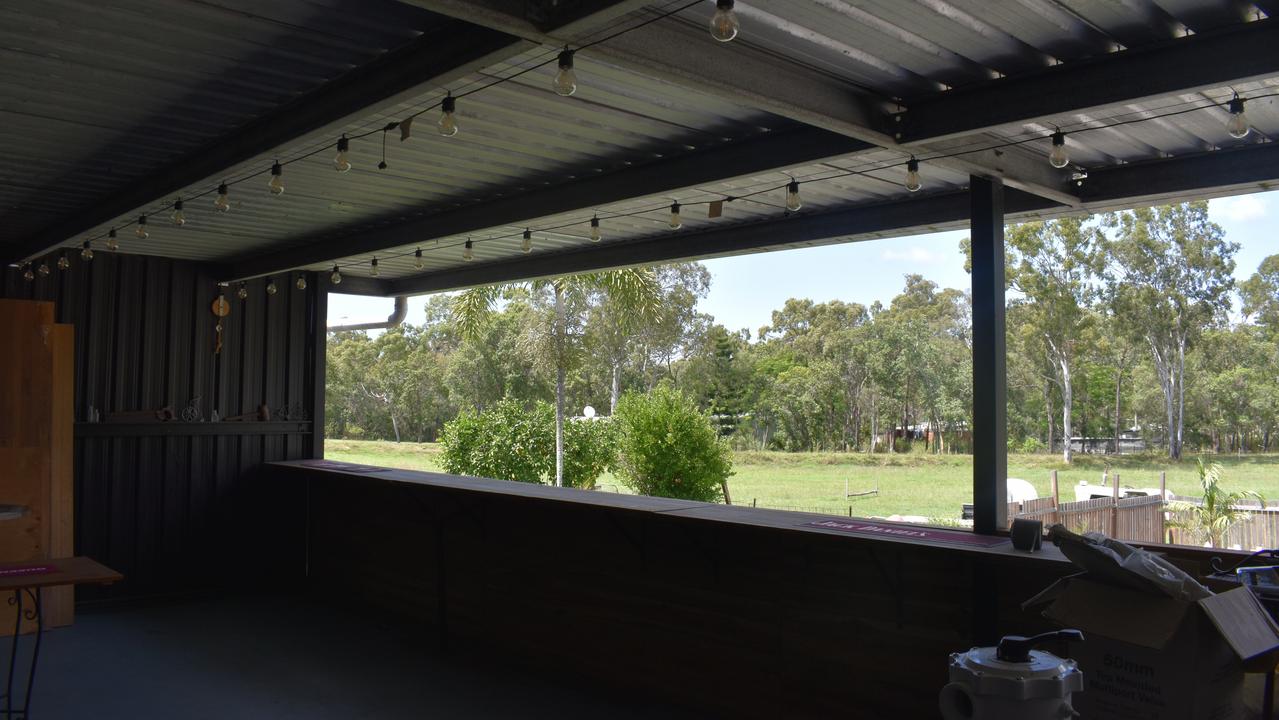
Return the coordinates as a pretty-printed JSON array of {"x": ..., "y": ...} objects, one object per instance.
[
  {"x": 675, "y": 222},
  {"x": 64, "y": 262},
  {"x": 242, "y": 292},
  {"x": 373, "y": 268},
  {"x": 565, "y": 82},
  {"x": 913, "y": 182},
  {"x": 178, "y": 217},
  {"x": 595, "y": 229},
  {"x": 27, "y": 274},
  {"x": 468, "y": 252},
  {"x": 222, "y": 203},
  {"x": 527, "y": 244},
  {"x": 340, "y": 162},
  {"x": 1237, "y": 125},
  {"x": 271, "y": 289},
  {"x": 86, "y": 252},
  {"x": 335, "y": 277},
  {"x": 793, "y": 202},
  {"x": 417, "y": 259},
  {"x": 1058, "y": 157},
  {"x": 724, "y": 24},
  {"x": 43, "y": 269},
  {"x": 448, "y": 122},
  {"x": 113, "y": 242},
  {"x": 277, "y": 179},
  {"x": 300, "y": 283},
  {"x": 141, "y": 232}
]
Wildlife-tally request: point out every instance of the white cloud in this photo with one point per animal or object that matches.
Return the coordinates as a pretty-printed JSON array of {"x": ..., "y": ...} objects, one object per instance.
[
  {"x": 914, "y": 254},
  {"x": 1239, "y": 208}
]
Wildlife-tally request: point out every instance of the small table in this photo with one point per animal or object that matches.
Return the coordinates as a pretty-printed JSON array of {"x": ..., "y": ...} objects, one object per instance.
[{"x": 26, "y": 580}]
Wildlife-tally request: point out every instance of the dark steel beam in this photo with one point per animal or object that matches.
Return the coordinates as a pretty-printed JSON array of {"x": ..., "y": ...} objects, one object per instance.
[
  {"x": 796, "y": 229},
  {"x": 990, "y": 459},
  {"x": 1210, "y": 59},
  {"x": 455, "y": 47},
  {"x": 775, "y": 150},
  {"x": 1254, "y": 164}
]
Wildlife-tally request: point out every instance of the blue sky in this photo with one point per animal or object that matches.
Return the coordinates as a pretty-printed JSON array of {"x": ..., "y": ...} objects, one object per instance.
[{"x": 746, "y": 289}]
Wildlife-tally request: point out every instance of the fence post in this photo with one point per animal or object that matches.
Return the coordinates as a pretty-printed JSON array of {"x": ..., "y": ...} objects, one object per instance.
[
  {"x": 1163, "y": 516},
  {"x": 1163, "y": 486},
  {"x": 1114, "y": 510}
]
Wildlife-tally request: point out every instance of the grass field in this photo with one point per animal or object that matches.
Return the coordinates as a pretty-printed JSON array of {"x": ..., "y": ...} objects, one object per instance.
[{"x": 931, "y": 486}]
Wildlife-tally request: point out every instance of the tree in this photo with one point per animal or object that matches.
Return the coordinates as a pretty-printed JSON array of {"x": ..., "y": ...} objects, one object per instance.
[
  {"x": 1216, "y": 511},
  {"x": 1260, "y": 295},
  {"x": 1170, "y": 276},
  {"x": 557, "y": 336}
]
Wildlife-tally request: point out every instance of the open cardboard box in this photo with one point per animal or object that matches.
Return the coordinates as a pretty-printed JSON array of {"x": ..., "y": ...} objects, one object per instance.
[{"x": 1151, "y": 657}]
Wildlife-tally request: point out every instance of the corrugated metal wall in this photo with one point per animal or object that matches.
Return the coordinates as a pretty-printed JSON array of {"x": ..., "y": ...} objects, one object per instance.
[{"x": 174, "y": 505}]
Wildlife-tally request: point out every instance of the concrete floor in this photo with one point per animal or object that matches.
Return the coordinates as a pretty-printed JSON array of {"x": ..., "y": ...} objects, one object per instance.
[{"x": 284, "y": 659}]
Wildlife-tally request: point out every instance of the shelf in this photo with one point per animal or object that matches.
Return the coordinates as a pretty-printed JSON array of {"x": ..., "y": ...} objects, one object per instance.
[{"x": 185, "y": 429}]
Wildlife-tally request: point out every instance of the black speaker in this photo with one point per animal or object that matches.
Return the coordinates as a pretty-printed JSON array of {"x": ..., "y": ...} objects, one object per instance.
[{"x": 1027, "y": 534}]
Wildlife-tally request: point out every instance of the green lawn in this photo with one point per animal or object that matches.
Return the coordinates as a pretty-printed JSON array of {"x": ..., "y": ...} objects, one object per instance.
[{"x": 931, "y": 486}]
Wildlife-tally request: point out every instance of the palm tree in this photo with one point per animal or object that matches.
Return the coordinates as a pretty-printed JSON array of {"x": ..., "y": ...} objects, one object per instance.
[
  {"x": 635, "y": 290},
  {"x": 1212, "y": 516}
]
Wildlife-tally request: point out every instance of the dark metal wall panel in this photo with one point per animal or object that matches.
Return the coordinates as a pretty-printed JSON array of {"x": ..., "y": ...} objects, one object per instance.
[{"x": 167, "y": 505}]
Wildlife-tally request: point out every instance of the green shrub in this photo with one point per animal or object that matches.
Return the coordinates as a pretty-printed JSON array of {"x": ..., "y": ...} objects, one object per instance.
[
  {"x": 1032, "y": 445},
  {"x": 668, "y": 448},
  {"x": 590, "y": 448}
]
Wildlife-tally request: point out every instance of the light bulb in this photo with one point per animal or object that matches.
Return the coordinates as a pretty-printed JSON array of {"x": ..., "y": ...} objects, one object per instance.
[
  {"x": 340, "y": 162},
  {"x": 86, "y": 253},
  {"x": 527, "y": 244},
  {"x": 27, "y": 274},
  {"x": 222, "y": 203},
  {"x": 43, "y": 269},
  {"x": 417, "y": 259},
  {"x": 913, "y": 183},
  {"x": 1058, "y": 157},
  {"x": 300, "y": 284},
  {"x": 178, "y": 217},
  {"x": 242, "y": 292},
  {"x": 113, "y": 243},
  {"x": 1237, "y": 125},
  {"x": 271, "y": 289},
  {"x": 676, "y": 223},
  {"x": 595, "y": 230},
  {"x": 373, "y": 268},
  {"x": 793, "y": 202},
  {"x": 467, "y": 253},
  {"x": 565, "y": 80},
  {"x": 277, "y": 180},
  {"x": 141, "y": 232},
  {"x": 724, "y": 25},
  {"x": 448, "y": 120},
  {"x": 63, "y": 261},
  {"x": 335, "y": 277}
]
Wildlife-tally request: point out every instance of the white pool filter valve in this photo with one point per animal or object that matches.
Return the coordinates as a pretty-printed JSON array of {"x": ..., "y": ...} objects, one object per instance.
[{"x": 1012, "y": 681}]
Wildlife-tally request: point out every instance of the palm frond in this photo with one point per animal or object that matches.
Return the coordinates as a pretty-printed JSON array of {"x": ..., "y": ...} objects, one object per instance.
[{"x": 473, "y": 307}]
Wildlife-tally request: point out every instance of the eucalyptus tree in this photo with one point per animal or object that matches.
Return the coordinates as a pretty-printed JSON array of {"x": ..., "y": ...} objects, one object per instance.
[{"x": 557, "y": 337}]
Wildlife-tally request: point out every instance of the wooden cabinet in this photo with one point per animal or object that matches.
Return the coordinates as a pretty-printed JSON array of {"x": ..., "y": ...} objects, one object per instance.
[{"x": 37, "y": 407}]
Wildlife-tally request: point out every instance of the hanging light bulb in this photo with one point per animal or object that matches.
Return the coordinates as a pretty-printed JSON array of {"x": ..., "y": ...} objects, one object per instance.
[
  {"x": 527, "y": 244},
  {"x": 27, "y": 273},
  {"x": 724, "y": 25},
  {"x": 1058, "y": 157},
  {"x": 913, "y": 183},
  {"x": 277, "y": 179},
  {"x": 467, "y": 251},
  {"x": 113, "y": 242},
  {"x": 448, "y": 121},
  {"x": 43, "y": 269},
  {"x": 793, "y": 202},
  {"x": 178, "y": 217},
  {"x": 242, "y": 292},
  {"x": 417, "y": 259},
  {"x": 64, "y": 262},
  {"x": 335, "y": 277},
  {"x": 271, "y": 289},
  {"x": 595, "y": 230},
  {"x": 222, "y": 203},
  {"x": 300, "y": 283},
  {"x": 1237, "y": 125},
  {"x": 675, "y": 223},
  {"x": 373, "y": 268},
  {"x": 86, "y": 252},
  {"x": 565, "y": 80},
  {"x": 340, "y": 162},
  {"x": 141, "y": 232}
]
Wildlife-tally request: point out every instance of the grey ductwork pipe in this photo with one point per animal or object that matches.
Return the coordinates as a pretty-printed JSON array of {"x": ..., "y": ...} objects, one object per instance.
[{"x": 398, "y": 313}]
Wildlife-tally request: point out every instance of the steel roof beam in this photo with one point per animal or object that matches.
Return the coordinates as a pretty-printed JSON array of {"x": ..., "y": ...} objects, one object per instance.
[
  {"x": 1251, "y": 167},
  {"x": 1196, "y": 62}
]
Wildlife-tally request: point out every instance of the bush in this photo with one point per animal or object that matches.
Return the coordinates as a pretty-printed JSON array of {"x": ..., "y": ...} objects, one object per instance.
[
  {"x": 512, "y": 442},
  {"x": 668, "y": 448},
  {"x": 1032, "y": 446}
]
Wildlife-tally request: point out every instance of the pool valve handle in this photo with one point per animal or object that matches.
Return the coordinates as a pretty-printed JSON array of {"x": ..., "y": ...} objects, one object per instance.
[{"x": 1016, "y": 649}]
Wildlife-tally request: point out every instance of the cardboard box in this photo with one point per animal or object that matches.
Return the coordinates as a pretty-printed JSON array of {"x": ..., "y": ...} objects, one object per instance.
[{"x": 1150, "y": 657}]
